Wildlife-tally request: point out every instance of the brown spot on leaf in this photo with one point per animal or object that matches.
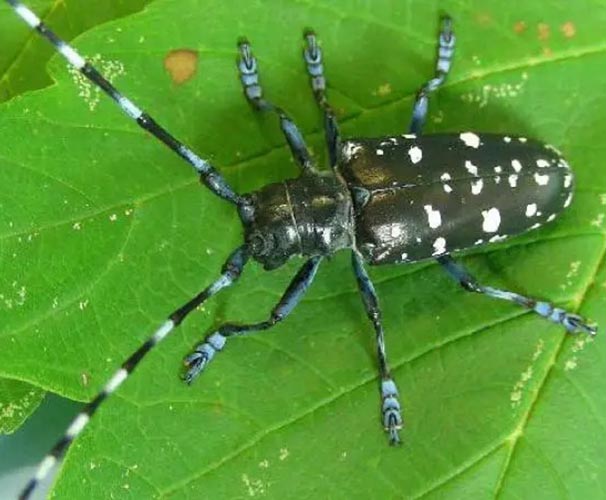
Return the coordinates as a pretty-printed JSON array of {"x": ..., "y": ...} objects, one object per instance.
[
  {"x": 543, "y": 30},
  {"x": 520, "y": 27},
  {"x": 568, "y": 29},
  {"x": 181, "y": 64}
]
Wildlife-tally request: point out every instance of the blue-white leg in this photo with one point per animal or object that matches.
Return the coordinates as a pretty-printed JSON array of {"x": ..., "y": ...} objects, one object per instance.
[
  {"x": 446, "y": 43},
  {"x": 390, "y": 405},
  {"x": 215, "y": 342},
  {"x": 249, "y": 76},
  {"x": 572, "y": 322},
  {"x": 231, "y": 271},
  {"x": 313, "y": 60}
]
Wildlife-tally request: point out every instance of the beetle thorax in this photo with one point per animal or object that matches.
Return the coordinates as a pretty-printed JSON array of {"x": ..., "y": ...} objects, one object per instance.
[{"x": 310, "y": 215}]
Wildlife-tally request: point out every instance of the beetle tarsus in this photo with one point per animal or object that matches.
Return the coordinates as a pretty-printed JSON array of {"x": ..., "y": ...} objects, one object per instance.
[
  {"x": 577, "y": 324},
  {"x": 392, "y": 414}
]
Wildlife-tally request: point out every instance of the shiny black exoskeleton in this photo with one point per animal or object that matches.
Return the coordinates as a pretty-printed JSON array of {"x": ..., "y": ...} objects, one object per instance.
[{"x": 387, "y": 200}]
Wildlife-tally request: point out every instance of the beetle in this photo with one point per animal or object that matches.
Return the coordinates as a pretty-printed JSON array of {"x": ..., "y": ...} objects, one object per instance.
[{"x": 388, "y": 200}]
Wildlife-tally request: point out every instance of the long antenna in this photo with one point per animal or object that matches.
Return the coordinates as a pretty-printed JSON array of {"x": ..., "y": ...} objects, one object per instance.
[{"x": 211, "y": 178}]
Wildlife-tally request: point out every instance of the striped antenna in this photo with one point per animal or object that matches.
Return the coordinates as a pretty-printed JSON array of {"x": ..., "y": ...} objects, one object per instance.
[
  {"x": 229, "y": 274},
  {"x": 211, "y": 178}
]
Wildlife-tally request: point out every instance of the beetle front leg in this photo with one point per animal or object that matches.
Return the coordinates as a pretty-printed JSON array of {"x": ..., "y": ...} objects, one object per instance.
[
  {"x": 214, "y": 342},
  {"x": 572, "y": 322},
  {"x": 249, "y": 76},
  {"x": 313, "y": 60},
  {"x": 390, "y": 405},
  {"x": 446, "y": 43}
]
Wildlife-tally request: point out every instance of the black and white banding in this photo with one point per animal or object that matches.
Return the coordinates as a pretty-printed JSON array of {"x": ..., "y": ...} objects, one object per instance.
[
  {"x": 230, "y": 272},
  {"x": 212, "y": 179}
]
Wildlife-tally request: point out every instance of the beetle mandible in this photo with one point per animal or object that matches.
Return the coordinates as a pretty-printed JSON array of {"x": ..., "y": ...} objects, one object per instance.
[{"x": 388, "y": 200}]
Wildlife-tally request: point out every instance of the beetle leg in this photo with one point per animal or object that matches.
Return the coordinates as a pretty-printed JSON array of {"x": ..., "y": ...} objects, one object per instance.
[
  {"x": 572, "y": 322},
  {"x": 213, "y": 343},
  {"x": 446, "y": 43},
  {"x": 249, "y": 76},
  {"x": 313, "y": 60},
  {"x": 231, "y": 271},
  {"x": 390, "y": 405}
]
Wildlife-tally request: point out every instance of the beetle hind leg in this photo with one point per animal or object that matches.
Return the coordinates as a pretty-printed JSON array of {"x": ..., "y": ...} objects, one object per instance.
[
  {"x": 390, "y": 404},
  {"x": 572, "y": 322},
  {"x": 446, "y": 43},
  {"x": 312, "y": 54},
  {"x": 249, "y": 76}
]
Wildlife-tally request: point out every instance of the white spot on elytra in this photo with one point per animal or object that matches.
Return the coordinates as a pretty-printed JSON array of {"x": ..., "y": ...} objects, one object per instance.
[
  {"x": 568, "y": 200},
  {"x": 551, "y": 217},
  {"x": 492, "y": 220},
  {"x": 380, "y": 152},
  {"x": 470, "y": 139},
  {"x": 439, "y": 246},
  {"x": 507, "y": 138},
  {"x": 447, "y": 188},
  {"x": 404, "y": 256},
  {"x": 478, "y": 242},
  {"x": 522, "y": 139},
  {"x": 415, "y": 154},
  {"x": 531, "y": 209},
  {"x": 433, "y": 217},
  {"x": 567, "y": 180},
  {"x": 517, "y": 166},
  {"x": 541, "y": 179},
  {"x": 497, "y": 237},
  {"x": 476, "y": 186},
  {"x": 498, "y": 169},
  {"x": 542, "y": 163},
  {"x": 471, "y": 168},
  {"x": 445, "y": 176},
  {"x": 513, "y": 180}
]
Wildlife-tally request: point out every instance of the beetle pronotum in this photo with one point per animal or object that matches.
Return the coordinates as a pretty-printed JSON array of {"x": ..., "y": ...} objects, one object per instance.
[{"x": 395, "y": 199}]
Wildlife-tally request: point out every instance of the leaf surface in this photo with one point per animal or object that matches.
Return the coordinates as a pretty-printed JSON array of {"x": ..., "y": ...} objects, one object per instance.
[
  {"x": 108, "y": 232},
  {"x": 18, "y": 401}
]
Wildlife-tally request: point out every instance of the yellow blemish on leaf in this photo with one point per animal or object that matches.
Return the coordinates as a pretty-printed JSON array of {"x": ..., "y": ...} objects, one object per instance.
[
  {"x": 520, "y": 27},
  {"x": 568, "y": 29},
  {"x": 181, "y": 64},
  {"x": 543, "y": 31},
  {"x": 515, "y": 397}
]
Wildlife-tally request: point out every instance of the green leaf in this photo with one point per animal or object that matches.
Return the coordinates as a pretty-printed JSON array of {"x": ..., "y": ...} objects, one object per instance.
[
  {"x": 18, "y": 401},
  {"x": 22, "y": 61},
  {"x": 24, "y": 54},
  {"x": 108, "y": 232}
]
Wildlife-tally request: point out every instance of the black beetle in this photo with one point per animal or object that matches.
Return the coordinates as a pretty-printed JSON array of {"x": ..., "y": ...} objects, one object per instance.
[{"x": 389, "y": 200}]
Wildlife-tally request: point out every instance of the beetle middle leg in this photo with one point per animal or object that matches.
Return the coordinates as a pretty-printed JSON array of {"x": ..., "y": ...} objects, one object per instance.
[
  {"x": 390, "y": 406},
  {"x": 249, "y": 76},
  {"x": 313, "y": 60},
  {"x": 446, "y": 43},
  {"x": 572, "y": 322},
  {"x": 214, "y": 342}
]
